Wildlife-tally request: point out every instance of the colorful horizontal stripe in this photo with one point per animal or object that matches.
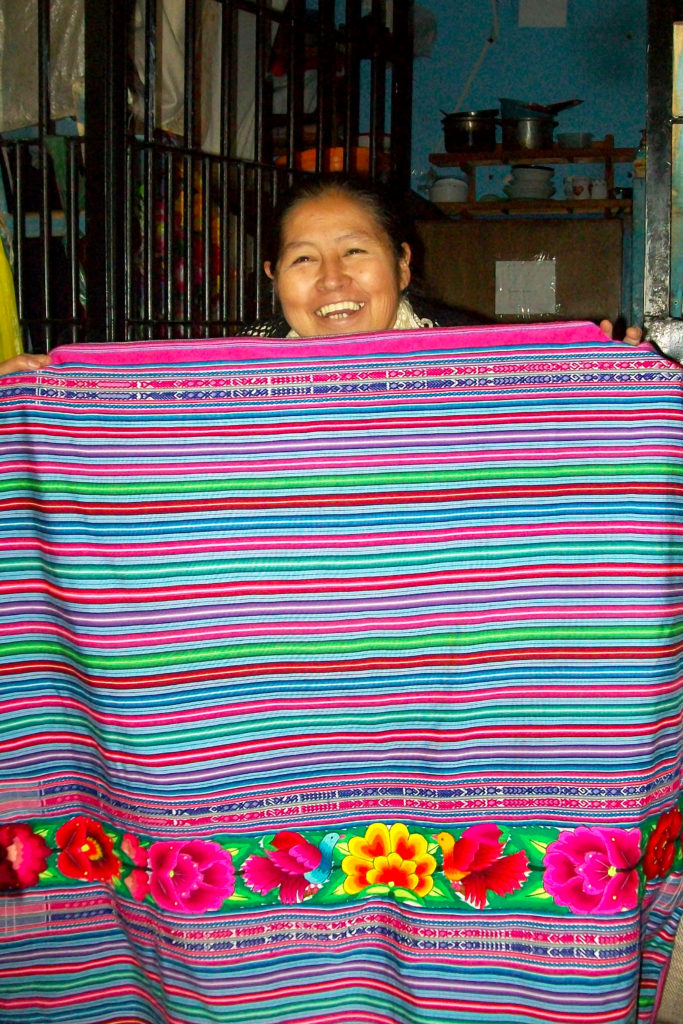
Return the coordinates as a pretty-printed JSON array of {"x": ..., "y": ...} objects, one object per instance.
[{"x": 341, "y": 682}]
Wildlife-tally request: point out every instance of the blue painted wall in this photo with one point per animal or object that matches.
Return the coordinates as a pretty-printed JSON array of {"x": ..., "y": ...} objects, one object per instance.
[{"x": 599, "y": 57}]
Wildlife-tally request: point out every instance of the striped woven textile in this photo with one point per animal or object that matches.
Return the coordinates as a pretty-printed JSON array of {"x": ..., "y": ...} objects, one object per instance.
[{"x": 341, "y": 681}]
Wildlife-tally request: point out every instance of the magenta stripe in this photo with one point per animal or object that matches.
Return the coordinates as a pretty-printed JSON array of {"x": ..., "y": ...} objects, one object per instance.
[
  {"x": 328, "y": 541},
  {"x": 312, "y": 464}
]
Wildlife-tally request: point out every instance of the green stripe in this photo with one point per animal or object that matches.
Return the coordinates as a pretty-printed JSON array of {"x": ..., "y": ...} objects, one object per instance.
[
  {"x": 315, "y": 650},
  {"x": 309, "y": 482}
]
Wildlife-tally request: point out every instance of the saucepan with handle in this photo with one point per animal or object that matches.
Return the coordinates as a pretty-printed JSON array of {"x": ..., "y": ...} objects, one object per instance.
[{"x": 470, "y": 131}]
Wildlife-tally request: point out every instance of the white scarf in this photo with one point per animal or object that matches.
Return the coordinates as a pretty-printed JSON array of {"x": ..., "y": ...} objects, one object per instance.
[{"x": 406, "y": 318}]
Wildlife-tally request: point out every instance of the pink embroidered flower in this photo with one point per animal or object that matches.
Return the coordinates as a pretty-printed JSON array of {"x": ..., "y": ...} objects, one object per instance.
[
  {"x": 87, "y": 852},
  {"x": 23, "y": 855},
  {"x": 193, "y": 876},
  {"x": 593, "y": 870},
  {"x": 661, "y": 849}
]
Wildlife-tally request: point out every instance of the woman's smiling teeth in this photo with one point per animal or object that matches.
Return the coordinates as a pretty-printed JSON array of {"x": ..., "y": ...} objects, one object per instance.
[{"x": 339, "y": 310}]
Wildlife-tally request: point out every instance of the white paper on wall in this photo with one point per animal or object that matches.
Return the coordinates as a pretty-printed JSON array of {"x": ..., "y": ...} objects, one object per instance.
[
  {"x": 542, "y": 13},
  {"x": 525, "y": 287}
]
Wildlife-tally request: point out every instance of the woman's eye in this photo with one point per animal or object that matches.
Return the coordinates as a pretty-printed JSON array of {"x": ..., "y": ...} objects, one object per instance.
[
  {"x": 301, "y": 259},
  {"x": 356, "y": 249}
]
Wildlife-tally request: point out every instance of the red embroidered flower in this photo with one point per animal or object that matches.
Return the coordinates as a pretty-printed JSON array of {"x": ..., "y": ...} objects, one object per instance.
[
  {"x": 23, "y": 855},
  {"x": 191, "y": 876},
  {"x": 661, "y": 849},
  {"x": 87, "y": 852}
]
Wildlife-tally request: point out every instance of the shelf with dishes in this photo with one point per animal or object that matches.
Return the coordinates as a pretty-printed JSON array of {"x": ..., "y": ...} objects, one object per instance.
[
  {"x": 602, "y": 151},
  {"x": 538, "y": 207}
]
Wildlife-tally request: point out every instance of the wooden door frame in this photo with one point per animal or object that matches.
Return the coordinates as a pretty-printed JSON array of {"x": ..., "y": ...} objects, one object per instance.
[{"x": 661, "y": 328}]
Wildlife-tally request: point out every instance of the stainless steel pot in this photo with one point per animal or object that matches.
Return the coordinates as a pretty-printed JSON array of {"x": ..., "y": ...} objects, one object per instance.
[
  {"x": 470, "y": 131},
  {"x": 528, "y": 133}
]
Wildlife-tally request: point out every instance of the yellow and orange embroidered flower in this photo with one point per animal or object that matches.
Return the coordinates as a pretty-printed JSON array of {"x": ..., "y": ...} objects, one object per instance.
[{"x": 391, "y": 857}]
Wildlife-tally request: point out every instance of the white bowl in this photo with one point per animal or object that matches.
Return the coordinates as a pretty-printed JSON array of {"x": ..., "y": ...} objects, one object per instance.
[
  {"x": 449, "y": 190},
  {"x": 532, "y": 173}
]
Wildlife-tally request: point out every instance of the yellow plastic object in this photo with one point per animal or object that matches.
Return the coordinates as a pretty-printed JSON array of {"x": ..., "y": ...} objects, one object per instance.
[{"x": 10, "y": 332}]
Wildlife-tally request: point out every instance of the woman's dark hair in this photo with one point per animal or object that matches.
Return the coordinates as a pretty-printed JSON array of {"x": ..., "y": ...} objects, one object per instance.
[{"x": 379, "y": 201}]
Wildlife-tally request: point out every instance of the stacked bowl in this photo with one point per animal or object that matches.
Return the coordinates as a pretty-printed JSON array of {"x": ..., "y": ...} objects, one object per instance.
[{"x": 528, "y": 181}]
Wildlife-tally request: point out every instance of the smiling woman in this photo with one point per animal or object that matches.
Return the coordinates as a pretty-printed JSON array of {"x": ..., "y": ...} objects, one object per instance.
[
  {"x": 337, "y": 271},
  {"x": 340, "y": 264}
]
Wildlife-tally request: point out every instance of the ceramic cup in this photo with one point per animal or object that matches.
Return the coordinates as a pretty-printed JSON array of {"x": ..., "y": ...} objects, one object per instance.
[
  {"x": 599, "y": 188},
  {"x": 524, "y": 172},
  {"x": 576, "y": 186}
]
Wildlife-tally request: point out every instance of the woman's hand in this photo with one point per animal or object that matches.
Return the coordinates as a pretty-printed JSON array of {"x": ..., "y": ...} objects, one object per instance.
[
  {"x": 24, "y": 362},
  {"x": 632, "y": 337}
]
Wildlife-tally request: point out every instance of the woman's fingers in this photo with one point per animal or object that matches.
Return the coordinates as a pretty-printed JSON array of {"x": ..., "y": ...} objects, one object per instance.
[
  {"x": 633, "y": 335},
  {"x": 27, "y": 361}
]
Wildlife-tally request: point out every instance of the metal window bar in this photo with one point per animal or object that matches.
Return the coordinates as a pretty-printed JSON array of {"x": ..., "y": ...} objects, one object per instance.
[
  {"x": 226, "y": 134},
  {"x": 44, "y": 211},
  {"x": 72, "y": 234}
]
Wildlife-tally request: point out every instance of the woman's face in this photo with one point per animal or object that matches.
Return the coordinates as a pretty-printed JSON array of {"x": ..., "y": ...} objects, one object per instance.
[{"x": 337, "y": 272}]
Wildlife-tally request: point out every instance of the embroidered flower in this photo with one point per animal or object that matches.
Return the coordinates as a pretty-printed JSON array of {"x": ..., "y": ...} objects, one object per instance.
[
  {"x": 23, "y": 855},
  {"x": 475, "y": 864},
  {"x": 87, "y": 852},
  {"x": 593, "y": 870},
  {"x": 394, "y": 858},
  {"x": 193, "y": 876},
  {"x": 661, "y": 850}
]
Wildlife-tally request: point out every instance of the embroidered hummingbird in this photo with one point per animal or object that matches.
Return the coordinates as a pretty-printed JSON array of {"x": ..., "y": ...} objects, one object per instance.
[
  {"x": 475, "y": 864},
  {"x": 295, "y": 865}
]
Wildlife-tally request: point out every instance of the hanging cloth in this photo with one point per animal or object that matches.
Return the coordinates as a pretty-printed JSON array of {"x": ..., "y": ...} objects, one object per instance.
[{"x": 10, "y": 331}]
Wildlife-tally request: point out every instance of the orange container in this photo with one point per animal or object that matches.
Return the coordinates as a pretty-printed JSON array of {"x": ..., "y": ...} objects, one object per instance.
[{"x": 333, "y": 159}]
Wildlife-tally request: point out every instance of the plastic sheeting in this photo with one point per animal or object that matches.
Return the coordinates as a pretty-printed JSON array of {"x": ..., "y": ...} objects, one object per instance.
[
  {"x": 19, "y": 60},
  {"x": 19, "y": 64}
]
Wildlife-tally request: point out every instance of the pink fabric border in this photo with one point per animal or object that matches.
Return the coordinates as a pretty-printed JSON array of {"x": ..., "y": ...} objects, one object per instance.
[{"x": 137, "y": 353}]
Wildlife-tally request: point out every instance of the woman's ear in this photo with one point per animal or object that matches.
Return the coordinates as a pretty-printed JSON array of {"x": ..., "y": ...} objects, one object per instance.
[
  {"x": 404, "y": 267},
  {"x": 268, "y": 270}
]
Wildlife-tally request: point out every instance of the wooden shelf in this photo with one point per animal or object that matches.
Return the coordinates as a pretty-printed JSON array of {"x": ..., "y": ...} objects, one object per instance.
[
  {"x": 538, "y": 207},
  {"x": 599, "y": 152}
]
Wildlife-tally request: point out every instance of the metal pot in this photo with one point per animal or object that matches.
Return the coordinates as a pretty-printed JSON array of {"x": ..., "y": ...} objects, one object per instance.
[
  {"x": 528, "y": 133},
  {"x": 470, "y": 131}
]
